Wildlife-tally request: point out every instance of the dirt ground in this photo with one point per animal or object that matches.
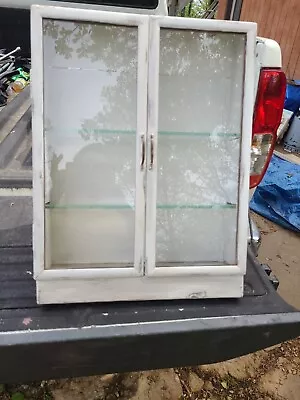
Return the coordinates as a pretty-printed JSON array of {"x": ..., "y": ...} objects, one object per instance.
[{"x": 271, "y": 374}]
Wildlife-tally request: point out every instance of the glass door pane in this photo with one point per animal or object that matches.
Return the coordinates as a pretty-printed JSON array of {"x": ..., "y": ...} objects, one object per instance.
[
  {"x": 201, "y": 79},
  {"x": 91, "y": 138}
]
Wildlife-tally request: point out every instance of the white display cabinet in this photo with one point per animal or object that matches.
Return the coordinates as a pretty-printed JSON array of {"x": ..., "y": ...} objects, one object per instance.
[{"x": 141, "y": 154}]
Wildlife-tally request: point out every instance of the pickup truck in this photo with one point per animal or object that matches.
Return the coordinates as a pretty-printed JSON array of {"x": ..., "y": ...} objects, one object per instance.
[{"x": 56, "y": 341}]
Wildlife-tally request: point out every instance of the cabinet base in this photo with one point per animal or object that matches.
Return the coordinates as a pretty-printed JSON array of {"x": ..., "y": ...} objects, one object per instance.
[{"x": 138, "y": 288}]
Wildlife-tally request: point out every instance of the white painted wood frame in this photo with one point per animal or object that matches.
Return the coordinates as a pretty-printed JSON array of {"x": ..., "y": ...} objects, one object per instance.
[
  {"x": 42, "y": 266},
  {"x": 144, "y": 281},
  {"x": 249, "y": 29}
]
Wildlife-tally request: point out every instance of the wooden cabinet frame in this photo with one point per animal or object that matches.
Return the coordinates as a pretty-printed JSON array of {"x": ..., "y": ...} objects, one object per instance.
[{"x": 144, "y": 281}]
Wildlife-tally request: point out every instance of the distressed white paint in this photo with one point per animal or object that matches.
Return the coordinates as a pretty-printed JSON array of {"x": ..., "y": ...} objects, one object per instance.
[
  {"x": 151, "y": 190},
  {"x": 106, "y": 282},
  {"x": 143, "y": 288},
  {"x": 88, "y": 272},
  {"x": 142, "y": 83},
  {"x": 62, "y": 272},
  {"x": 248, "y": 102},
  {"x": 77, "y": 14},
  {"x": 64, "y": 246},
  {"x": 205, "y": 24},
  {"x": 37, "y": 142},
  {"x": 216, "y": 224}
]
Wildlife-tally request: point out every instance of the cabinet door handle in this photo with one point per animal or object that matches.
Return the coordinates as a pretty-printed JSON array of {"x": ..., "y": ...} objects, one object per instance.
[
  {"x": 143, "y": 152},
  {"x": 151, "y": 151}
]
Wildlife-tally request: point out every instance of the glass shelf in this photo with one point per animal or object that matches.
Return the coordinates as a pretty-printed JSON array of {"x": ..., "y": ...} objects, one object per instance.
[
  {"x": 201, "y": 134},
  {"x": 131, "y": 207},
  {"x": 162, "y": 133}
]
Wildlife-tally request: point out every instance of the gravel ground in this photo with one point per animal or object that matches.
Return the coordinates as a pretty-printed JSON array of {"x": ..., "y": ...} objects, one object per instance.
[{"x": 271, "y": 374}]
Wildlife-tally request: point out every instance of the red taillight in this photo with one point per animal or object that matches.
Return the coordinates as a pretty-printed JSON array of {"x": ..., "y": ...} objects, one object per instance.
[{"x": 266, "y": 120}]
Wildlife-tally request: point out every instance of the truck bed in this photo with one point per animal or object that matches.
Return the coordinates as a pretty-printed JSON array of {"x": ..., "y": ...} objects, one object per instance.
[{"x": 41, "y": 342}]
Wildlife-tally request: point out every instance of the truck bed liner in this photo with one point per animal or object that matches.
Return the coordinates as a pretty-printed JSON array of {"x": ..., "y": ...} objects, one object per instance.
[
  {"x": 15, "y": 143},
  {"x": 40, "y": 342},
  {"x": 87, "y": 339}
]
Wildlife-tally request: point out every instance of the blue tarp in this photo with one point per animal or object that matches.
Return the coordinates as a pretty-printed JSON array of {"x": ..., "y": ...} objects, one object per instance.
[
  {"x": 292, "y": 97},
  {"x": 278, "y": 195}
]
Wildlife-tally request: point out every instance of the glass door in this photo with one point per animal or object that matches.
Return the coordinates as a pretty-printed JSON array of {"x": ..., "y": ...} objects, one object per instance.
[
  {"x": 195, "y": 137},
  {"x": 94, "y": 129}
]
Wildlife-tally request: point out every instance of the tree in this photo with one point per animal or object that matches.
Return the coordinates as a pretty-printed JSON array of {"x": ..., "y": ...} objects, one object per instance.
[{"x": 196, "y": 9}]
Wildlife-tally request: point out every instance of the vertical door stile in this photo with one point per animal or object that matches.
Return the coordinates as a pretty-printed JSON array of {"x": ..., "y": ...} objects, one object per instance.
[
  {"x": 153, "y": 86},
  {"x": 38, "y": 144},
  {"x": 141, "y": 140}
]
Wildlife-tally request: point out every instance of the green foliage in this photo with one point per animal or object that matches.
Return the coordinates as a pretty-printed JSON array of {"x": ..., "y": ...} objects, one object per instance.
[
  {"x": 196, "y": 8},
  {"x": 18, "y": 396},
  {"x": 2, "y": 387}
]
